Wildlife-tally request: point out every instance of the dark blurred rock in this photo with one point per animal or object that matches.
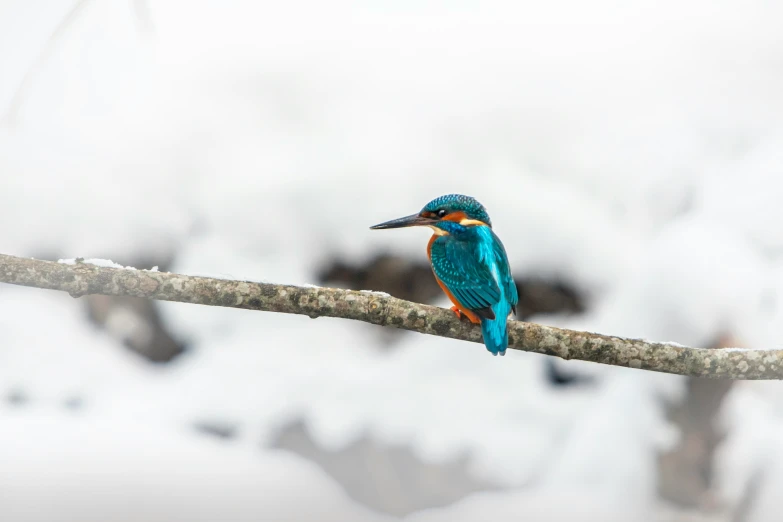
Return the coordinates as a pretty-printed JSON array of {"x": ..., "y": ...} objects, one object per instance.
[
  {"x": 74, "y": 403},
  {"x": 558, "y": 375},
  {"x": 543, "y": 296},
  {"x": 686, "y": 472},
  {"x": 17, "y": 397},
  {"x": 409, "y": 280},
  {"x": 135, "y": 322},
  {"x": 221, "y": 430},
  {"x": 390, "y": 479}
]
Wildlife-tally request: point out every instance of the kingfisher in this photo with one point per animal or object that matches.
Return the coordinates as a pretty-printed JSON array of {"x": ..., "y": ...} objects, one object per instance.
[{"x": 469, "y": 262}]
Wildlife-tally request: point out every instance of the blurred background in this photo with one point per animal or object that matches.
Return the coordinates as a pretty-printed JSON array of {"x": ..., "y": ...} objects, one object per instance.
[{"x": 630, "y": 155}]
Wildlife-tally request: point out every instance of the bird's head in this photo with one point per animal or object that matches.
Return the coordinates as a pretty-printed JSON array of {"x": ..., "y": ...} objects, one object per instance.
[{"x": 444, "y": 214}]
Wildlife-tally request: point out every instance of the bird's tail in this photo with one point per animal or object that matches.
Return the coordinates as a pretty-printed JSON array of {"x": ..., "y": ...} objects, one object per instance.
[{"x": 495, "y": 330}]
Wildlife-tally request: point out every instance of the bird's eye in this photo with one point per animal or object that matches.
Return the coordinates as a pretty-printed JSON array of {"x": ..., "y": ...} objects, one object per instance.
[{"x": 441, "y": 213}]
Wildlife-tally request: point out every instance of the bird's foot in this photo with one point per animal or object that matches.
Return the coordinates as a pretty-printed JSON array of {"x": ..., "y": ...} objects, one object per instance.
[{"x": 462, "y": 315}]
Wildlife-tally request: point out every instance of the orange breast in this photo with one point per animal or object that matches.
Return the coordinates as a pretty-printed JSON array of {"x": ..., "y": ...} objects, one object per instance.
[{"x": 473, "y": 317}]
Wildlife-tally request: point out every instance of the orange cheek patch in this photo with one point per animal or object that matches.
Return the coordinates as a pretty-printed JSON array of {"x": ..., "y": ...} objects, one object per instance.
[
  {"x": 455, "y": 216},
  {"x": 429, "y": 246},
  {"x": 463, "y": 219}
]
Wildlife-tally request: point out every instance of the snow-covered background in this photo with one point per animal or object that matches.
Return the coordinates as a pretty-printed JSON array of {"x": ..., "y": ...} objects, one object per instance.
[{"x": 631, "y": 149}]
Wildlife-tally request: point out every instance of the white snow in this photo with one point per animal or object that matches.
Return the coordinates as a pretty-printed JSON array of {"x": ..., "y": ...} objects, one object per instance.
[
  {"x": 631, "y": 148},
  {"x": 375, "y": 292},
  {"x": 211, "y": 275},
  {"x": 85, "y": 466},
  {"x": 105, "y": 263},
  {"x": 585, "y": 504}
]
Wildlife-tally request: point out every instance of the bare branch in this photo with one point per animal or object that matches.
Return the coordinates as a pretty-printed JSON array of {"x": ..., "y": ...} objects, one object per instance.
[{"x": 82, "y": 278}]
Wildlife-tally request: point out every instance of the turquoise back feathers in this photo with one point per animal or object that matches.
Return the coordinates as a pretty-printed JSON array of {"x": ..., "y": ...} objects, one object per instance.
[{"x": 473, "y": 265}]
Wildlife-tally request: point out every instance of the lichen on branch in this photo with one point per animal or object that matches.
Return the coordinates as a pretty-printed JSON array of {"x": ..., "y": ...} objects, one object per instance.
[{"x": 80, "y": 278}]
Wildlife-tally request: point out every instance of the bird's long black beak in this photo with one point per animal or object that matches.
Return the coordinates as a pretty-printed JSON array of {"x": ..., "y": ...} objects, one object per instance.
[{"x": 407, "y": 221}]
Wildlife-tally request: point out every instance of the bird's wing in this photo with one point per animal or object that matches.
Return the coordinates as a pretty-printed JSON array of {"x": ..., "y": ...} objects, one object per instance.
[
  {"x": 458, "y": 265},
  {"x": 506, "y": 278}
]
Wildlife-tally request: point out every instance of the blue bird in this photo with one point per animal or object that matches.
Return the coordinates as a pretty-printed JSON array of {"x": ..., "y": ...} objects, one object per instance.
[{"x": 469, "y": 263}]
